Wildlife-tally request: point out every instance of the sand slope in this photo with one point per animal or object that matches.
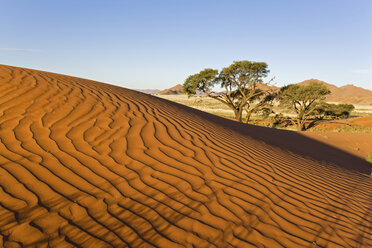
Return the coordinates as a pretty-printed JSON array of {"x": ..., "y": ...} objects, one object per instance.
[
  {"x": 358, "y": 144},
  {"x": 93, "y": 165}
]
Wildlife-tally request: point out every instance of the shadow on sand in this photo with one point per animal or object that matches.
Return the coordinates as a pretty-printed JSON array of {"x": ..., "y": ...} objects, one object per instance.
[{"x": 289, "y": 140}]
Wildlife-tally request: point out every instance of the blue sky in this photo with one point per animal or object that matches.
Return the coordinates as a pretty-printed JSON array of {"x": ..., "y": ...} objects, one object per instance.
[{"x": 157, "y": 44}]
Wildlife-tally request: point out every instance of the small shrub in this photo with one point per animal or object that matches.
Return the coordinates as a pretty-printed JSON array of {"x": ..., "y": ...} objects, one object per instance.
[{"x": 369, "y": 158}]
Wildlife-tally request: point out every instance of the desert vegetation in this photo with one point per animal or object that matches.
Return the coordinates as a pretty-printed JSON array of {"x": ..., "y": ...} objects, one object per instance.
[
  {"x": 369, "y": 158},
  {"x": 244, "y": 96},
  {"x": 240, "y": 87},
  {"x": 303, "y": 101},
  {"x": 324, "y": 110},
  {"x": 279, "y": 117}
]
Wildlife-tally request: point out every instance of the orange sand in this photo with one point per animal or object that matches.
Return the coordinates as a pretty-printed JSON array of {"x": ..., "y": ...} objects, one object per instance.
[
  {"x": 365, "y": 122},
  {"x": 358, "y": 144},
  {"x": 93, "y": 165}
]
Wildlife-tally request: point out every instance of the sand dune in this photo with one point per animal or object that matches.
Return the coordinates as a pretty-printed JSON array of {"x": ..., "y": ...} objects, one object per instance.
[
  {"x": 87, "y": 164},
  {"x": 358, "y": 144}
]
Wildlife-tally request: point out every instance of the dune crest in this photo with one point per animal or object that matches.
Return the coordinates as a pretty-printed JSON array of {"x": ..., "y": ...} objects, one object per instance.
[{"x": 87, "y": 164}]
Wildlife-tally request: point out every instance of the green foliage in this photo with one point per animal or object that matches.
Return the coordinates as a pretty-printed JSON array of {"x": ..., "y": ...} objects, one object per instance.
[
  {"x": 242, "y": 74},
  {"x": 341, "y": 110},
  {"x": 333, "y": 111},
  {"x": 261, "y": 104},
  {"x": 279, "y": 120},
  {"x": 369, "y": 158},
  {"x": 301, "y": 100},
  {"x": 238, "y": 81},
  {"x": 321, "y": 110},
  {"x": 296, "y": 95},
  {"x": 204, "y": 80}
]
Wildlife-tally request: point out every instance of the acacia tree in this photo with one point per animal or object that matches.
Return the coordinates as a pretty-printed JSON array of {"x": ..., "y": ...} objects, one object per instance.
[
  {"x": 333, "y": 111},
  {"x": 238, "y": 81},
  {"x": 339, "y": 111},
  {"x": 262, "y": 104},
  {"x": 301, "y": 100}
]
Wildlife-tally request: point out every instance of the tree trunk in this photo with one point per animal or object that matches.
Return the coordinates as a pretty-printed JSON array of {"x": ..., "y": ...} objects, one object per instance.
[
  {"x": 300, "y": 125},
  {"x": 249, "y": 113},
  {"x": 300, "y": 121},
  {"x": 238, "y": 115}
]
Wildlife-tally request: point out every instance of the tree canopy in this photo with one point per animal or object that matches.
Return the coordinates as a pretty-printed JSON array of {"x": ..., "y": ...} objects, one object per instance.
[
  {"x": 238, "y": 82},
  {"x": 333, "y": 111},
  {"x": 205, "y": 80},
  {"x": 301, "y": 100}
]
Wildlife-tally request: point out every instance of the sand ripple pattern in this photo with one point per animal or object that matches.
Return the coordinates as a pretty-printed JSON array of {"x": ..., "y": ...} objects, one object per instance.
[{"x": 85, "y": 164}]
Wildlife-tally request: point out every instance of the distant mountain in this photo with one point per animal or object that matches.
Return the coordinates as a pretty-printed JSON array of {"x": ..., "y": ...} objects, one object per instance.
[
  {"x": 148, "y": 91},
  {"x": 175, "y": 90},
  {"x": 345, "y": 94},
  {"x": 266, "y": 87}
]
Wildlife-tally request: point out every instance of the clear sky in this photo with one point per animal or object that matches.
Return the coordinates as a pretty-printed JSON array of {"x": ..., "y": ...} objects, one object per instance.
[{"x": 157, "y": 44}]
